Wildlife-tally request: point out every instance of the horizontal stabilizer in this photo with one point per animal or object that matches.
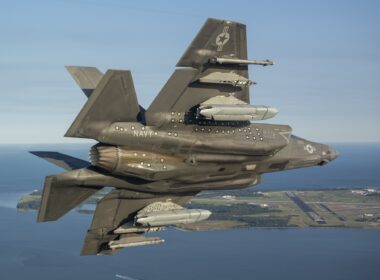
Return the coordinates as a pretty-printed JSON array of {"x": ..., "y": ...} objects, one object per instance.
[
  {"x": 60, "y": 195},
  {"x": 114, "y": 100},
  {"x": 64, "y": 161},
  {"x": 87, "y": 78}
]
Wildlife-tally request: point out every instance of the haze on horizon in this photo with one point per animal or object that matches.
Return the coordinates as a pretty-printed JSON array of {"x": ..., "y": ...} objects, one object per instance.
[{"x": 325, "y": 82}]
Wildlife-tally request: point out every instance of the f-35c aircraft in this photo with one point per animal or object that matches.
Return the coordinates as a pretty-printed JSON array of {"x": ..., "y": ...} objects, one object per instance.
[{"x": 200, "y": 133}]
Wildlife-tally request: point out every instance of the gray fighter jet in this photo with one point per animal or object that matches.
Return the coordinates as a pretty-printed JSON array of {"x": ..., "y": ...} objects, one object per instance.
[{"x": 200, "y": 133}]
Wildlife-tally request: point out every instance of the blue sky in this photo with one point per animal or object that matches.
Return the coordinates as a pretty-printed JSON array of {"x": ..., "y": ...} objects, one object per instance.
[{"x": 326, "y": 81}]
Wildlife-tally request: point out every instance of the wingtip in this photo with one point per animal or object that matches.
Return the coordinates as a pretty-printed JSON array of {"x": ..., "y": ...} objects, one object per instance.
[
  {"x": 71, "y": 68},
  {"x": 36, "y": 153},
  {"x": 40, "y": 153}
]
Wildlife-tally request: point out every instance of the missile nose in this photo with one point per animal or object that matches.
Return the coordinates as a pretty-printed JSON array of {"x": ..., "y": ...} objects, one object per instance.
[{"x": 272, "y": 112}]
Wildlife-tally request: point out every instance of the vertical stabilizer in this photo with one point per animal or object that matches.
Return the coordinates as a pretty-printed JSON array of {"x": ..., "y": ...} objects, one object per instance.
[{"x": 114, "y": 100}]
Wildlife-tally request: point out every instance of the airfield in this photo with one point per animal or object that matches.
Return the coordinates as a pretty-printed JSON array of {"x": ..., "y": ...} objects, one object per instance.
[
  {"x": 320, "y": 208},
  {"x": 352, "y": 208}
]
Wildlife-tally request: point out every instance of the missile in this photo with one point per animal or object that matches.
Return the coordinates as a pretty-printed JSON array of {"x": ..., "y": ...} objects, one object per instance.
[
  {"x": 132, "y": 241},
  {"x": 237, "y": 112},
  {"x": 222, "y": 60},
  {"x": 171, "y": 217},
  {"x": 130, "y": 228}
]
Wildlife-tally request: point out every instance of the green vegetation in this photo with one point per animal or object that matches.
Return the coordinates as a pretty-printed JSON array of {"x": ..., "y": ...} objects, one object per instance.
[{"x": 345, "y": 196}]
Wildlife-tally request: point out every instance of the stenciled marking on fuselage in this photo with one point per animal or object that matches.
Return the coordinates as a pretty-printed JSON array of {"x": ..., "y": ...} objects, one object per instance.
[
  {"x": 285, "y": 135},
  {"x": 143, "y": 133},
  {"x": 269, "y": 134},
  {"x": 222, "y": 38}
]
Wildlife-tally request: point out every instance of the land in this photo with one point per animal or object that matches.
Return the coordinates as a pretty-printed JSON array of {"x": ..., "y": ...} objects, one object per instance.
[{"x": 358, "y": 208}]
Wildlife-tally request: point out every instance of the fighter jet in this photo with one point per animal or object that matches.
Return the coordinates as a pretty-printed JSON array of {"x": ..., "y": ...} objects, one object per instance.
[{"x": 200, "y": 133}]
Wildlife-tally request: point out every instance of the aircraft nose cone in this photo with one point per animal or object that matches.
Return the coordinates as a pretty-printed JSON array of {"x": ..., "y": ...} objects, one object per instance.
[
  {"x": 328, "y": 155},
  {"x": 333, "y": 154}
]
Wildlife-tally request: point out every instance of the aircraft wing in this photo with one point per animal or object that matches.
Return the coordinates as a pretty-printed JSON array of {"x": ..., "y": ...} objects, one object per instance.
[
  {"x": 113, "y": 226},
  {"x": 204, "y": 73}
]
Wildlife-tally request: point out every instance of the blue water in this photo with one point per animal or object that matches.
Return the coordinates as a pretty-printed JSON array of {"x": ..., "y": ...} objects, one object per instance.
[
  {"x": 51, "y": 250},
  {"x": 357, "y": 166}
]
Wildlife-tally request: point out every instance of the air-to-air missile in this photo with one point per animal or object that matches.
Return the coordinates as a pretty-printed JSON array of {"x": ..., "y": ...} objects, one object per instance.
[
  {"x": 223, "y": 60},
  {"x": 132, "y": 241},
  {"x": 200, "y": 133}
]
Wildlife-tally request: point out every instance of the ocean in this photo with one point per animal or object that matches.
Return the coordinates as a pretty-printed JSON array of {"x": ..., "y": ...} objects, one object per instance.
[{"x": 51, "y": 250}]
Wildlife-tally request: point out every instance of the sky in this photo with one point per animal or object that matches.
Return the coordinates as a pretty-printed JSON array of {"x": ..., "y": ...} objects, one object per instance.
[{"x": 325, "y": 83}]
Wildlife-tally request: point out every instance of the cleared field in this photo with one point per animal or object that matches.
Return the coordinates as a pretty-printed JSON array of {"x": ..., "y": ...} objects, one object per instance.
[{"x": 336, "y": 208}]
